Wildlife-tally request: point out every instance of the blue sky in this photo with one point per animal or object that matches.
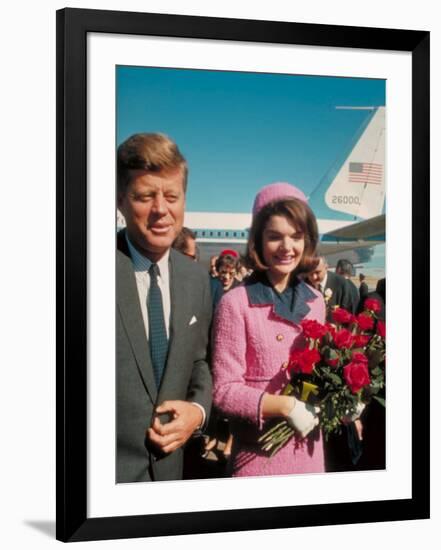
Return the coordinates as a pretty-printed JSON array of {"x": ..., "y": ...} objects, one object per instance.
[{"x": 240, "y": 131}]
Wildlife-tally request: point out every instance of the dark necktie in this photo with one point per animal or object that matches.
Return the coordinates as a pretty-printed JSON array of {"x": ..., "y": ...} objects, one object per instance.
[{"x": 157, "y": 333}]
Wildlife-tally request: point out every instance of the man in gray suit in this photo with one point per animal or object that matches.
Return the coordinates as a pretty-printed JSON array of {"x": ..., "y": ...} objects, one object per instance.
[{"x": 163, "y": 316}]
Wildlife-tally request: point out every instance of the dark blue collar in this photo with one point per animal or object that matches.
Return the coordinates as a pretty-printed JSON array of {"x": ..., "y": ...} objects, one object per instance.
[{"x": 260, "y": 292}]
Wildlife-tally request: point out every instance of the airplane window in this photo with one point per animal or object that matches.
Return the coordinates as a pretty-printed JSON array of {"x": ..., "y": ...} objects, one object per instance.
[{"x": 235, "y": 234}]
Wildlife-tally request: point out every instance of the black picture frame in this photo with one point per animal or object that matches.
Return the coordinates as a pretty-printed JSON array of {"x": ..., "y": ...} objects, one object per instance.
[{"x": 73, "y": 25}]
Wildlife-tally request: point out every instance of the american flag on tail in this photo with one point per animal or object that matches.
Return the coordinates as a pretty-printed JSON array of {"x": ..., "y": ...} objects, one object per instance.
[{"x": 365, "y": 172}]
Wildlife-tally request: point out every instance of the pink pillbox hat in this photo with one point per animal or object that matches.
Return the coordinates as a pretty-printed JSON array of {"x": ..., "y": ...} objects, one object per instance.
[{"x": 276, "y": 192}]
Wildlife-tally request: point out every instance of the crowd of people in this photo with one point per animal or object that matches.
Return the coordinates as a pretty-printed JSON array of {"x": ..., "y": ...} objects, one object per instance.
[{"x": 199, "y": 354}]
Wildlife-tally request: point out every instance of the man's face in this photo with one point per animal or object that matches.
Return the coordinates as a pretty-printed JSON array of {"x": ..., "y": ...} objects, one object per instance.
[
  {"x": 318, "y": 275},
  {"x": 153, "y": 206}
]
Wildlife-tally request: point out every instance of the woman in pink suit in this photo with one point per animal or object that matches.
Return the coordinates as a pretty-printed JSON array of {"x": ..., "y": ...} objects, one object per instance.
[{"x": 256, "y": 327}]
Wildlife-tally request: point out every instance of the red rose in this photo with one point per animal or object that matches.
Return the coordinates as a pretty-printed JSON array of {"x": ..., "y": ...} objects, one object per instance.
[
  {"x": 372, "y": 305},
  {"x": 358, "y": 357},
  {"x": 343, "y": 338},
  {"x": 381, "y": 329},
  {"x": 313, "y": 329},
  {"x": 341, "y": 316},
  {"x": 365, "y": 321},
  {"x": 361, "y": 340},
  {"x": 356, "y": 376},
  {"x": 303, "y": 360}
]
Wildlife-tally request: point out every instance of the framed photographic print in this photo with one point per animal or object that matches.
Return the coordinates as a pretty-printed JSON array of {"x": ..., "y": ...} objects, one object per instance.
[{"x": 342, "y": 113}]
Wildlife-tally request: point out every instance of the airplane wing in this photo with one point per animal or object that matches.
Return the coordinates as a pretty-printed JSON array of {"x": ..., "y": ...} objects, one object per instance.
[{"x": 357, "y": 235}]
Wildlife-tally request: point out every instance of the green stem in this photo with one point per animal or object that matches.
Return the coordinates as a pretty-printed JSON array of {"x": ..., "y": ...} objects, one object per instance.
[
  {"x": 280, "y": 435},
  {"x": 277, "y": 437},
  {"x": 282, "y": 444},
  {"x": 269, "y": 432}
]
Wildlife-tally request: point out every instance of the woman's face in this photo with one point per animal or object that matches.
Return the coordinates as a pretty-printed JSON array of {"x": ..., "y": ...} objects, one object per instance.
[
  {"x": 283, "y": 246},
  {"x": 226, "y": 276}
]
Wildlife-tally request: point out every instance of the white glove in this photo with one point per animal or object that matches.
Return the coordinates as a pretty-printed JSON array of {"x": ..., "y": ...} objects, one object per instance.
[
  {"x": 303, "y": 417},
  {"x": 348, "y": 418}
]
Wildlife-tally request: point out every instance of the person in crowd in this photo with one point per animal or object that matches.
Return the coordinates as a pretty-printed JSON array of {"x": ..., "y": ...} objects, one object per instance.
[
  {"x": 345, "y": 269},
  {"x": 363, "y": 289},
  {"x": 213, "y": 272},
  {"x": 256, "y": 326},
  {"x": 332, "y": 286},
  {"x": 242, "y": 271},
  {"x": 185, "y": 243},
  {"x": 374, "y": 417},
  {"x": 227, "y": 266},
  {"x": 163, "y": 386}
]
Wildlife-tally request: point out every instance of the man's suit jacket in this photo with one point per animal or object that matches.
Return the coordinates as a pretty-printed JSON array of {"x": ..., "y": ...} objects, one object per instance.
[
  {"x": 363, "y": 290},
  {"x": 186, "y": 377},
  {"x": 354, "y": 296}
]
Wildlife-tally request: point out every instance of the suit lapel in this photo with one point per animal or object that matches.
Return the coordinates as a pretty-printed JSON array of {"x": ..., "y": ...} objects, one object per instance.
[
  {"x": 130, "y": 310},
  {"x": 179, "y": 319}
]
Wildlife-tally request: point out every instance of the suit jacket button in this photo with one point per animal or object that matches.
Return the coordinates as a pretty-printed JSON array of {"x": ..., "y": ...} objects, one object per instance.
[{"x": 279, "y": 337}]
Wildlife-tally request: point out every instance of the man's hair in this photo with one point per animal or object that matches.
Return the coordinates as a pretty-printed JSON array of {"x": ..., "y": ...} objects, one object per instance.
[
  {"x": 150, "y": 152},
  {"x": 324, "y": 260},
  {"x": 180, "y": 243},
  {"x": 344, "y": 267},
  {"x": 362, "y": 277},
  {"x": 226, "y": 260},
  {"x": 300, "y": 216}
]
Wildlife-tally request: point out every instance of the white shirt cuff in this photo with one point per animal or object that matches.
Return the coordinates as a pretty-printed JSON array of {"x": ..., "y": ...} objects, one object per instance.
[{"x": 204, "y": 416}]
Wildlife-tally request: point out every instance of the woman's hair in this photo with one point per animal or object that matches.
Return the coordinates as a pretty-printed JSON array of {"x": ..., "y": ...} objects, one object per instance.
[{"x": 300, "y": 216}]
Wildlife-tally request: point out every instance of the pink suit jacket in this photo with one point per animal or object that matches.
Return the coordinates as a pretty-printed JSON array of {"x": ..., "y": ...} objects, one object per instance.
[{"x": 252, "y": 339}]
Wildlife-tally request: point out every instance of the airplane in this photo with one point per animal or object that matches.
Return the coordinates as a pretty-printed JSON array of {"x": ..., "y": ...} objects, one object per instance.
[{"x": 350, "y": 199}]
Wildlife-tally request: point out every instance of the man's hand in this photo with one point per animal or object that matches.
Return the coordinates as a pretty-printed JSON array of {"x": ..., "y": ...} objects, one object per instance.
[
  {"x": 355, "y": 418},
  {"x": 186, "y": 417},
  {"x": 359, "y": 428}
]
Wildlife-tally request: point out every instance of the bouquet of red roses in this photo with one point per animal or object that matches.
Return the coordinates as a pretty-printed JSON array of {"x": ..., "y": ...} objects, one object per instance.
[{"x": 340, "y": 368}]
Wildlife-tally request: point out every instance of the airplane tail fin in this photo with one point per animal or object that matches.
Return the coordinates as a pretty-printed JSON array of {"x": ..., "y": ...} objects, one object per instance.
[{"x": 358, "y": 186}]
